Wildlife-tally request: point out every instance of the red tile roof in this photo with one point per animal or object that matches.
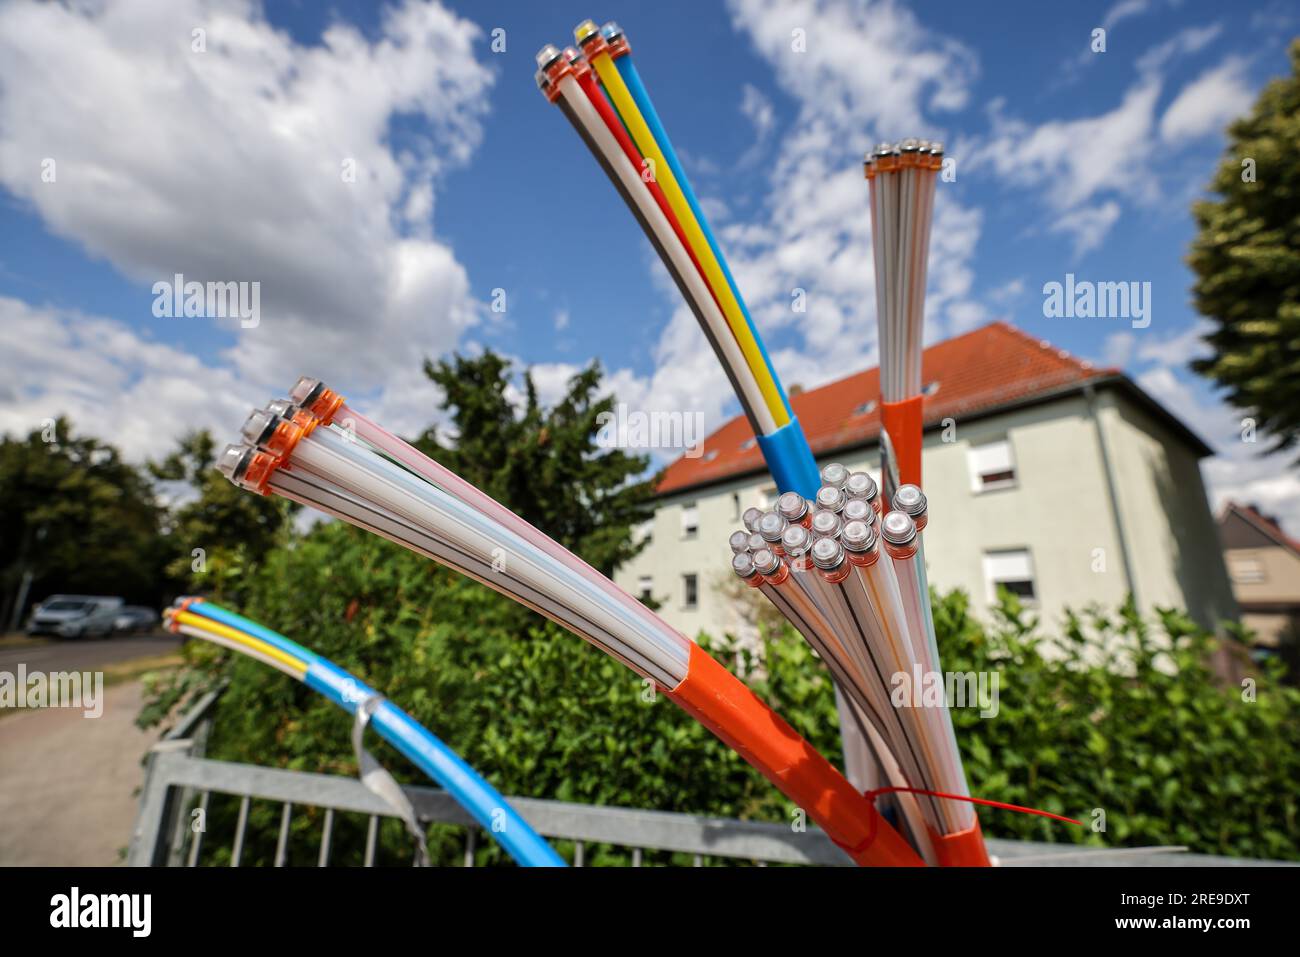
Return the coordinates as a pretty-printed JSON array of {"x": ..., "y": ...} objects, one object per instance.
[{"x": 993, "y": 366}]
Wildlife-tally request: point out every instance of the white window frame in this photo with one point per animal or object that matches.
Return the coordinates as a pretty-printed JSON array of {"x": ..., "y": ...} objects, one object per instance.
[
  {"x": 687, "y": 604},
  {"x": 645, "y": 587},
  {"x": 1257, "y": 575},
  {"x": 691, "y": 520},
  {"x": 984, "y": 459},
  {"x": 1015, "y": 564}
]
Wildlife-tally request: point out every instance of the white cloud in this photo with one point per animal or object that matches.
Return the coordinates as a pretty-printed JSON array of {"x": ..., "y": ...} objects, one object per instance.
[
  {"x": 1208, "y": 103},
  {"x": 228, "y": 165},
  {"x": 1075, "y": 160},
  {"x": 1088, "y": 225},
  {"x": 110, "y": 381},
  {"x": 866, "y": 72},
  {"x": 758, "y": 109}
]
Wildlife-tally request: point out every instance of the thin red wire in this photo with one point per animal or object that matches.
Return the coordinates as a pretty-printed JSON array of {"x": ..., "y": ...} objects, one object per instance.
[{"x": 875, "y": 792}]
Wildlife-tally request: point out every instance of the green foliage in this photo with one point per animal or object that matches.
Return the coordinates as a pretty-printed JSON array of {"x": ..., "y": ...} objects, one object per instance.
[
  {"x": 544, "y": 463},
  {"x": 1121, "y": 715},
  {"x": 1247, "y": 261},
  {"x": 77, "y": 516},
  {"x": 1114, "y": 714}
]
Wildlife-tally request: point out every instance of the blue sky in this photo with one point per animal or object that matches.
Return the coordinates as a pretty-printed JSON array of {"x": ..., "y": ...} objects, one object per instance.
[{"x": 224, "y": 164}]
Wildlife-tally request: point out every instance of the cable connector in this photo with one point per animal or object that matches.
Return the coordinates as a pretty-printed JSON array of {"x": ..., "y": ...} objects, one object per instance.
[{"x": 247, "y": 467}]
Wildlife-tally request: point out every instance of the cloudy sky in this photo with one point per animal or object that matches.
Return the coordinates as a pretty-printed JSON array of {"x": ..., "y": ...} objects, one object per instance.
[{"x": 383, "y": 172}]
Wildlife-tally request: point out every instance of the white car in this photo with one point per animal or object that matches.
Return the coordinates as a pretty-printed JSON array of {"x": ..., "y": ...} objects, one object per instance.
[{"x": 75, "y": 616}]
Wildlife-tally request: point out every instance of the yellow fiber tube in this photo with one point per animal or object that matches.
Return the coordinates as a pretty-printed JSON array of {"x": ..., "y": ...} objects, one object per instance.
[
  {"x": 645, "y": 141},
  {"x": 239, "y": 637}
]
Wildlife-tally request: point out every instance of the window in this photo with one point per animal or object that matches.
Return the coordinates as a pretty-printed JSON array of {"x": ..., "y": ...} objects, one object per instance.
[
  {"x": 1246, "y": 569},
  {"x": 769, "y": 497},
  {"x": 991, "y": 466},
  {"x": 690, "y": 590},
  {"x": 1011, "y": 569},
  {"x": 690, "y": 520},
  {"x": 735, "y": 506},
  {"x": 645, "y": 586},
  {"x": 644, "y": 532}
]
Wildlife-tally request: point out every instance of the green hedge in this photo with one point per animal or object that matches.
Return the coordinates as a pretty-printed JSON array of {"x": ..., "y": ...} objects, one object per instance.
[{"x": 1099, "y": 717}]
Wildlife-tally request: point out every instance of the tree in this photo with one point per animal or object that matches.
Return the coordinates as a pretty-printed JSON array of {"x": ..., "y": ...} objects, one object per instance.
[
  {"x": 216, "y": 528},
  {"x": 76, "y": 518},
  {"x": 1247, "y": 262},
  {"x": 543, "y": 463}
]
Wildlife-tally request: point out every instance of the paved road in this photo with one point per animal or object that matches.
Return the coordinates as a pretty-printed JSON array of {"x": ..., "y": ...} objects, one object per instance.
[
  {"x": 67, "y": 782},
  {"x": 85, "y": 655}
]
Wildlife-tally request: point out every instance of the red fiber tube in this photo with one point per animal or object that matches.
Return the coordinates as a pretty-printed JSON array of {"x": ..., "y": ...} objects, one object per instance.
[{"x": 586, "y": 78}]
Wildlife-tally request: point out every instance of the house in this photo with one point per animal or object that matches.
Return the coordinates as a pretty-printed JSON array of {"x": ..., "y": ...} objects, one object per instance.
[
  {"x": 1264, "y": 566},
  {"x": 1060, "y": 481}
]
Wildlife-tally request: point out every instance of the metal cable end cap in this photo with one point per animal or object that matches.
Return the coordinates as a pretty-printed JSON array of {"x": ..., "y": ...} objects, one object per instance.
[
  {"x": 835, "y": 474},
  {"x": 751, "y": 517},
  {"x": 791, "y": 506},
  {"x": 770, "y": 526},
  {"x": 742, "y": 564},
  {"x": 858, "y": 536},
  {"x": 910, "y": 499},
  {"x": 827, "y": 553},
  {"x": 765, "y": 561},
  {"x": 825, "y": 524},
  {"x": 858, "y": 510},
  {"x": 795, "y": 539},
  {"x": 548, "y": 55},
  {"x": 739, "y": 542},
  {"x": 233, "y": 460},
  {"x": 897, "y": 528},
  {"x": 860, "y": 485},
  {"x": 830, "y": 497}
]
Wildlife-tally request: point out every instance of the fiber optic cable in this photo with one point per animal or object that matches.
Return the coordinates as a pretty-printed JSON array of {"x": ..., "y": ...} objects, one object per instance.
[
  {"x": 620, "y": 51},
  {"x": 596, "y": 50},
  {"x": 203, "y": 619},
  {"x": 400, "y": 502},
  {"x": 558, "y": 81}
]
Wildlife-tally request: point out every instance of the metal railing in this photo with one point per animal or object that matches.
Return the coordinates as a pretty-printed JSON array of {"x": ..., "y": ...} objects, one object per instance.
[{"x": 179, "y": 779}]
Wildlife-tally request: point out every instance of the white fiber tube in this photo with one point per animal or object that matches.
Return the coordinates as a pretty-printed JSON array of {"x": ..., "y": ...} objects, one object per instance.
[
  {"x": 451, "y": 483},
  {"x": 351, "y": 466},
  {"x": 632, "y": 183},
  {"x": 306, "y": 488}
]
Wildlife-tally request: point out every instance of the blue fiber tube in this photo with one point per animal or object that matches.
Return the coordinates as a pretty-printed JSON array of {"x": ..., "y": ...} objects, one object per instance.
[
  {"x": 790, "y": 460},
  {"x": 470, "y": 790},
  {"x": 207, "y": 609},
  {"x": 627, "y": 70},
  {"x": 435, "y": 759}
]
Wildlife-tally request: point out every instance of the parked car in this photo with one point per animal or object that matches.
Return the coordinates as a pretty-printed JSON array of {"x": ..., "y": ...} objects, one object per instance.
[
  {"x": 130, "y": 619},
  {"x": 75, "y": 616}
]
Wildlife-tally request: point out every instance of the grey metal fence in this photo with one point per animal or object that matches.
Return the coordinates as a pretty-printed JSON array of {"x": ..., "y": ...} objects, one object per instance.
[{"x": 178, "y": 779}]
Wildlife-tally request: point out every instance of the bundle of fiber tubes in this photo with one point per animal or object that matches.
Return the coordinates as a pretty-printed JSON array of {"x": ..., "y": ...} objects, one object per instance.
[
  {"x": 597, "y": 88},
  {"x": 849, "y": 574},
  {"x": 316, "y": 449}
]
